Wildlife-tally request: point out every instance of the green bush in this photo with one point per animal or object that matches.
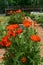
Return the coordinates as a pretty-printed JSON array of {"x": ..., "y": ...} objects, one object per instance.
[
  {"x": 37, "y": 17},
  {"x": 17, "y": 18},
  {"x": 32, "y": 16}
]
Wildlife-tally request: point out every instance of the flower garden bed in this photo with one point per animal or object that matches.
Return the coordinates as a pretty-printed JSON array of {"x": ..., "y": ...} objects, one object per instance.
[{"x": 21, "y": 42}]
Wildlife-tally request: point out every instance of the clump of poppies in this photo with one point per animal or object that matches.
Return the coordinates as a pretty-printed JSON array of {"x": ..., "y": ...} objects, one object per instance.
[{"x": 22, "y": 44}]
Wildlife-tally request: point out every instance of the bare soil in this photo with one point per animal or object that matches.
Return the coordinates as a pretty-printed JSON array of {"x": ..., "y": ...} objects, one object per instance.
[{"x": 40, "y": 33}]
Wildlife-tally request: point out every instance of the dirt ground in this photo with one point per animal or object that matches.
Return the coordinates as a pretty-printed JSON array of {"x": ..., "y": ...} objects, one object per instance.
[{"x": 40, "y": 33}]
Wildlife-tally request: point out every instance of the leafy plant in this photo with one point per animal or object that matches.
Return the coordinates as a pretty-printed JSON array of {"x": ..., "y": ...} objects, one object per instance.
[
  {"x": 15, "y": 19},
  {"x": 37, "y": 17}
]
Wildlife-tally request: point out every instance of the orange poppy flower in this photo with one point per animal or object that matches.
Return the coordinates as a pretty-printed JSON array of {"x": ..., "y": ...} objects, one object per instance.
[
  {"x": 12, "y": 27},
  {"x": 5, "y": 44},
  {"x": 15, "y": 26},
  {"x": 5, "y": 41},
  {"x": 14, "y": 34},
  {"x": 18, "y": 11},
  {"x": 19, "y": 31},
  {"x": 11, "y": 33},
  {"x": 35, "y": 38},
  {"x": 27, "y": 23},
  {"x": 24, "y": 59},
  {"x": 0, "y": 43},
  {"x": 8, "y": 44}
]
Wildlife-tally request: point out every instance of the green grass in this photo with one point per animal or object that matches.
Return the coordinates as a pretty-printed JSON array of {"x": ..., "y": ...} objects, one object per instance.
[{"x": 4, "y": 18}]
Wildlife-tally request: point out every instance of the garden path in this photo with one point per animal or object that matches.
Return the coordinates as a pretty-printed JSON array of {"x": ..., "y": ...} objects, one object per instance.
[{"x": 40, "y": 33}]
